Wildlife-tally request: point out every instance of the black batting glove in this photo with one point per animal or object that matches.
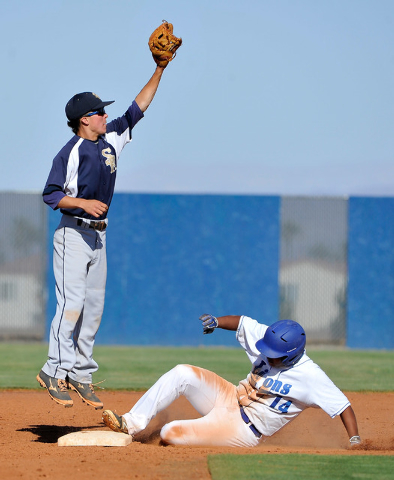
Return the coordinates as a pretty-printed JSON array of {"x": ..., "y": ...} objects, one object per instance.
[{"x": 209, "y": 323}]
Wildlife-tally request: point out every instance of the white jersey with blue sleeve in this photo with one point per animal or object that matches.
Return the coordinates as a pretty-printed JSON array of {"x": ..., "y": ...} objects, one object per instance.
[{"x": 273, "y": 397}]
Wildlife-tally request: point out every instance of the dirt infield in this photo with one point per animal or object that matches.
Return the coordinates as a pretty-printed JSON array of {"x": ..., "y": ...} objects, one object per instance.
[{"x": 31, "y": 424}]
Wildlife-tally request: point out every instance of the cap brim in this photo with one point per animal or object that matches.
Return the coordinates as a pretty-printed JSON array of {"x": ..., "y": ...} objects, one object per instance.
[
  {"x": 97, "y": 106},
  {"x": 104, "y": 104}
]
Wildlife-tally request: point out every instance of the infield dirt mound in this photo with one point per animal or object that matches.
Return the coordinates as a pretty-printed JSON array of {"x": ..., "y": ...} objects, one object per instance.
[{"x": 31, "y": 424}]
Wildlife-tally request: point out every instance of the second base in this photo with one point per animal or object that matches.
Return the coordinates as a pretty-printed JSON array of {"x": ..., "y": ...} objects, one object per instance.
[{"x": 94, "y": 439}]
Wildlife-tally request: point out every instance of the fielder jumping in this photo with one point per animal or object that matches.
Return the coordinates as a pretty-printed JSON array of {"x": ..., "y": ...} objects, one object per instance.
[
  {"x": 81, "y": 184},
  {"x": 283, "y": 382}
]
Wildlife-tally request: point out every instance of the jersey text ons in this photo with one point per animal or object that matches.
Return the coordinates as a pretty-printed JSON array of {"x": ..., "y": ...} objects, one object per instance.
[{"x": 276, "y": 386}]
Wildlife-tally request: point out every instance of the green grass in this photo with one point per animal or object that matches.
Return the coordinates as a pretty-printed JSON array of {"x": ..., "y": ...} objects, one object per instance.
[
  {"x": 132, "y": 368},
  {"x": 300, "y": 467},
  {"x": 137, "y": 368},
  {"x": 357, "y": 370}
]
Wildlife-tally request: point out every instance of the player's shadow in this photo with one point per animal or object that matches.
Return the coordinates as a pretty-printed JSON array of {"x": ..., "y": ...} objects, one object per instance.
[{"x": 52, "y": 433}]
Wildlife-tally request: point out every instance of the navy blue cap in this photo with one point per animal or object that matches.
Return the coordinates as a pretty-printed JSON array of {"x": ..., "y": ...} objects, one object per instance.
[{"x": 84, "y": 103}]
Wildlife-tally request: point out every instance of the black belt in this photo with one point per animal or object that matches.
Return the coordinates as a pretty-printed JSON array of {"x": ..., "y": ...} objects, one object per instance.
[
  {"x": 246, "y": 419},
  {"x": 96, "y": 225}
]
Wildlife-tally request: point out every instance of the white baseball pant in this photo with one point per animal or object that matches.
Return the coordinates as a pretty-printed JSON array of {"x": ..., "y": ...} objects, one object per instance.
[{"x": 213, "y": 397}]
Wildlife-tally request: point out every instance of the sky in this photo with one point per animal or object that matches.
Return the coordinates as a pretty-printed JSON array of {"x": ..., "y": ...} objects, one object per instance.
[{"x": 264, "y": 97}]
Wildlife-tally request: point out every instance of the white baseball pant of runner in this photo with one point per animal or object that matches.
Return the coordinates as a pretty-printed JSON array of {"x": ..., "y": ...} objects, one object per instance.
[
  {"x": 80, "y": 269},
  {"x": 213, "y": 397}
]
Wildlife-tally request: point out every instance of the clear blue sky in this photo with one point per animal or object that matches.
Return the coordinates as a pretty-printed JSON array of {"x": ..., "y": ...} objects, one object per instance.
[{"x": 264, "y": 96}]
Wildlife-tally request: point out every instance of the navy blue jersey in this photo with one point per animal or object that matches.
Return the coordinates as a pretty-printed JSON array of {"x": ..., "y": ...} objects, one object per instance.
[{"x": 87, "y": 169}]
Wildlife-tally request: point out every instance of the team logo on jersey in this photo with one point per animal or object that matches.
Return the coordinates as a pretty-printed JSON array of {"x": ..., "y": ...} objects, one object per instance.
[{"x": 111, "y": 161}]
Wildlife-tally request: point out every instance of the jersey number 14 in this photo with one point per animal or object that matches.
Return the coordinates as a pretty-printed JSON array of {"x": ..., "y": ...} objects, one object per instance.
[{"x": 283, "y": 407}]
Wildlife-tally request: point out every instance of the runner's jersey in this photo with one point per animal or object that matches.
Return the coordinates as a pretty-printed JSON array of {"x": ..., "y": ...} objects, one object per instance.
[{"x": 273, "y": 397}]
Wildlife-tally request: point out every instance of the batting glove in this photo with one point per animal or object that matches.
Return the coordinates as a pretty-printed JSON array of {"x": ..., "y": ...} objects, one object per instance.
[
  {"x": 209, "y": 323},
  {"x": 355, "y": 440}
]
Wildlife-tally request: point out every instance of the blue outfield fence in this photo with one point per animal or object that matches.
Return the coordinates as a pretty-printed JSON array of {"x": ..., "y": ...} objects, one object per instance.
[
  {"x": 370, "y": 316},
  {"x": 173, "y": 257}
]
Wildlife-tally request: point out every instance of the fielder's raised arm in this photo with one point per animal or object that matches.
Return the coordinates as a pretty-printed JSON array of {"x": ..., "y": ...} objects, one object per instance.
[{"x": 163, "y": 45}]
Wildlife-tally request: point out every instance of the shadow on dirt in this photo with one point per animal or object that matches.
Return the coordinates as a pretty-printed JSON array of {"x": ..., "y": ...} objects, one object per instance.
[{"x": 52, "y": 433}]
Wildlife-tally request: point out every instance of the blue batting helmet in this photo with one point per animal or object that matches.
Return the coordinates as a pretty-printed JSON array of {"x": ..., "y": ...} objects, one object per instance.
[{"x": 284, "y": 338}]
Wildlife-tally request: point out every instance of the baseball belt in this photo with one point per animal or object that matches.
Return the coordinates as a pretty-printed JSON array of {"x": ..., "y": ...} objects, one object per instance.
[
  {"x": 246, "y": 419},
  {"x": 95, "y": 224}
]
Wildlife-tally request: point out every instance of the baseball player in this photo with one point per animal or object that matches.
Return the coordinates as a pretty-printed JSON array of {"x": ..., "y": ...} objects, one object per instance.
[
  {"x": 81, "y": 184},
  {"x": 283, "y": 382}
]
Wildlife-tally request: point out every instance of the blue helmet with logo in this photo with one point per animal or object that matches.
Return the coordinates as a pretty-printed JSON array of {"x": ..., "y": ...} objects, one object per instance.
[{"x": 283, "y": 339}]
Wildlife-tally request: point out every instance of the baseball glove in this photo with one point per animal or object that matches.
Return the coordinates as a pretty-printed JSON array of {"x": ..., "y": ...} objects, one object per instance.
[{"x": 163, "y": 44}]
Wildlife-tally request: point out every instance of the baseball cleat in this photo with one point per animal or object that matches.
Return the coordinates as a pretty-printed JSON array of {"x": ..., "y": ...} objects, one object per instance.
[
  {"x": 115, "y": 422},
  {"x": 86, "y": 392},
  {"x": 56, "y": 387}
]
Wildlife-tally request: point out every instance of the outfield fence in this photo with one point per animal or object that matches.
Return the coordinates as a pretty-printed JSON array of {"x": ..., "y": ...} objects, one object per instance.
[
  {"x": 326, "y": 262},
  {"x": 313, "y": 266},
  {"x": 23, "y": 265}
]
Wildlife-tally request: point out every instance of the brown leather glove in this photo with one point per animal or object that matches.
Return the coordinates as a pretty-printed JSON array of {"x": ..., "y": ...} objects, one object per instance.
[{"x": 163, "y": 44}]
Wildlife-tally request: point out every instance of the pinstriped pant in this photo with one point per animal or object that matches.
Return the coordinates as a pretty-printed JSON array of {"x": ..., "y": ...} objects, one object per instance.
[{"x": 80, "y": 269}]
